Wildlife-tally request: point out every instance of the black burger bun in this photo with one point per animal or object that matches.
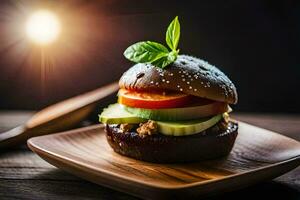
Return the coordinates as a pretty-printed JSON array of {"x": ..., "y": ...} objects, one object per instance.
[
  {"x": 187, "y": 74},
  {"x": 209, "y": 144}
]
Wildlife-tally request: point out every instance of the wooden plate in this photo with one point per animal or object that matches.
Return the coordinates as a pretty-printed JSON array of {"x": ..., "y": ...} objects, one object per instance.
[{"x": 258, "y": 155}]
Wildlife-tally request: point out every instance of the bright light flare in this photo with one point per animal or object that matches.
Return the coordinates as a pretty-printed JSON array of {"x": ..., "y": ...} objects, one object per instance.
[{"x": 43, "y": 27}]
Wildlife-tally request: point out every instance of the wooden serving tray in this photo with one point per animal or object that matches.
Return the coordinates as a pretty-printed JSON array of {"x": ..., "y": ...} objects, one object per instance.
[{"x": 258, "y": 155}]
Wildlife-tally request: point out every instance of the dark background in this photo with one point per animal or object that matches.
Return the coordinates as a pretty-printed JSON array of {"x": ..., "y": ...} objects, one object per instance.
[{"x": 256, "y": 43}]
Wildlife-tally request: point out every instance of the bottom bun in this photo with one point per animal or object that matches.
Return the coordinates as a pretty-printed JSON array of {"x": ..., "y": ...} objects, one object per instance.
[{"x": 159, "y": 148}]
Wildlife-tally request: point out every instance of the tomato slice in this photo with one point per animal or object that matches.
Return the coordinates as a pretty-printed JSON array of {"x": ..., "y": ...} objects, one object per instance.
[{"x": 153, "y": 100}]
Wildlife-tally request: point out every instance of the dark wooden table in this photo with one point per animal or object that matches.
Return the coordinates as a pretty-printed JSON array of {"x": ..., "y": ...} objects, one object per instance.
[{"x": 23, "y": 175}]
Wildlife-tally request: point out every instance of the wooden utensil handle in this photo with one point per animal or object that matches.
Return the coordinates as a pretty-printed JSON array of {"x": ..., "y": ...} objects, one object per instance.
[{"x": 67, "y": 106}]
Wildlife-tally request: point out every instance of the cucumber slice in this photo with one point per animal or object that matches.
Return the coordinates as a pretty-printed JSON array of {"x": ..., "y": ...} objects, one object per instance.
[
  {"x": 115, "y": 114},
  {"x": 179, "y": 114},
  {"x": 184, "y": 128}
]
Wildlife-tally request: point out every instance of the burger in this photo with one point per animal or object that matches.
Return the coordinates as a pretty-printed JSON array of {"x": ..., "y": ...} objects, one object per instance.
[{"x": 171, "y": 108}]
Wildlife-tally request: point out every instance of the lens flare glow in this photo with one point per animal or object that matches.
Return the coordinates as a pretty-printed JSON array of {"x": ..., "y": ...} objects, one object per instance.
[{"x": 43, "y": 27}]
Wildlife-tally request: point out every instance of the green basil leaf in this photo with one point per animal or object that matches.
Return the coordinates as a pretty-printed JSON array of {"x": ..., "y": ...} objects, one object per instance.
[
  {"x": 156, "y": 53},
  {"x": 146, "y": 51},
  {"x": 165, "y": 60},
  {"x": 173, "y": 34}
]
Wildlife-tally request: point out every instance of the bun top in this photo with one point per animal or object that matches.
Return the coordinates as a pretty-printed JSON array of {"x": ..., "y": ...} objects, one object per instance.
[{"x": 187, "y": 74}]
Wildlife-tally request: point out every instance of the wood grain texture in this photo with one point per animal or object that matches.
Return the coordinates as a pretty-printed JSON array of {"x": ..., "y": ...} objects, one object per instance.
[
  {"x": 23, "y": 175},
  {"x": 258, "y": 154}
]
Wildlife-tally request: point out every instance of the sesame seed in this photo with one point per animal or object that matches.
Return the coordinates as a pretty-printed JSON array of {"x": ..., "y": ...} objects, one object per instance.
[
  {"x": 183, "y": 79},
  {"x": 181, "y": 89},
  {"x": 188, "y": 83},
  {"x": 178, "y": 86},
  {"x": 168, "y": 81},
  {"x": 190, "y": 87},
  {"x": 151, "y": 82},
  {"x": 195, "y": 89},
  {"x": 163, "y": 80},
  {"x": 156, "y": 83}
]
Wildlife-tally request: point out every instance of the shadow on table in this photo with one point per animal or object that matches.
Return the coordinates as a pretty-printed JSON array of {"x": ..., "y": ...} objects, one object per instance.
[
  {"x": 62, "y": 185},
  {"x": 13, "y": 149},
  {"x": 265, "y": 190}
]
